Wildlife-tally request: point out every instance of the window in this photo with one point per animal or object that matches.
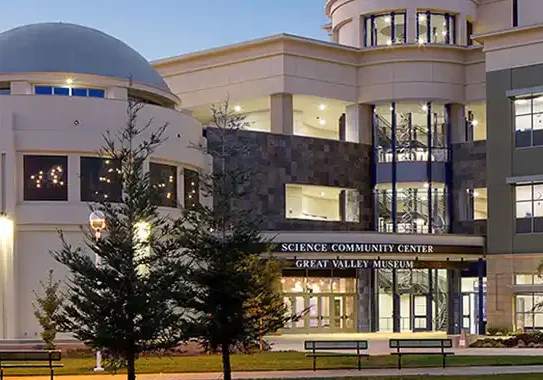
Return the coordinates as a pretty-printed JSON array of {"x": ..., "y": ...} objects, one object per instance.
[
  {"x": 469, "y": 32},
  {"x": 5, "y": 91},
  {"x": 476, "y": 204},
  {"x": 529, "y": 311},
  {"x": 100, "y": 180},
  {"x": 475, "y": 121},
  {"x": 436, "y": 28},
  {"x": 164, "y": 179},
  {"x": 324, "y": 203},
  {"x": 191, "y": 189},
  {"x": 528, "y": 279},
  {"x": 45, "y": 178},
  {"x": 385, "y": 29},
  {"x": 529, "y": 207},
  {"x": 70, "y": 91},
  {"x": 529, "y": 121}
]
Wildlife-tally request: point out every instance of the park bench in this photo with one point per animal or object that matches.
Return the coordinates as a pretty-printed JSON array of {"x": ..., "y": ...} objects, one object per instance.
[
  {"x": 29, "y": 359},
  {"x": 423, "y": 345},
  {"x": 315, "y": 348}
]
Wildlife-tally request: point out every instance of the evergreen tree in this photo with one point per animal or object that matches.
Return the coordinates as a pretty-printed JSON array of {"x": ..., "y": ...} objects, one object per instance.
[
  {"x": 221, "y": 239},
  {"x": 123, "y": 305},
  {"x": 47, "y": 308}
]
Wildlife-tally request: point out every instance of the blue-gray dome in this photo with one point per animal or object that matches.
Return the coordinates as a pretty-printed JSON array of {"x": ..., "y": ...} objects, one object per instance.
[{"x": 70, "y": 48}]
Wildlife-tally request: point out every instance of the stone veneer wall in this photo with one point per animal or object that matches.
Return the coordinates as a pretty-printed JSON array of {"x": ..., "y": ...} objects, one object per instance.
[
  {"x": 287, "y": 159},
  {"x": 468, "y": 172}
]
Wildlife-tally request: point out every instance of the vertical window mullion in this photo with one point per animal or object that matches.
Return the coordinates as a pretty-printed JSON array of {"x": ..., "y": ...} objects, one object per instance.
[
  {"x": 428, "y": 28},
  {"x": 418, "y": 26},
  {"x": 533, "y": 208},
  {"x": 405, "y": 27},
  {"x": 447, "y": 28},
  {"x": 372, "y": 30},
  {"x": 453, "y": 29},
  {"x": 515, "y": 13}
]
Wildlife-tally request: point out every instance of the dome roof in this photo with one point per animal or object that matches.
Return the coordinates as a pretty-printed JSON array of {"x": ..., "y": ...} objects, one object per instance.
[{"x": 70, "y": 48}]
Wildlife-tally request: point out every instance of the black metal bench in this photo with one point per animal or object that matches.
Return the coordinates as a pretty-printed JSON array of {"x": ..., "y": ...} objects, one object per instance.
[
  {"x": 29, "y": 359},
  {"x": 440, "y": 344},
  {"x": 313, "y": 347}
]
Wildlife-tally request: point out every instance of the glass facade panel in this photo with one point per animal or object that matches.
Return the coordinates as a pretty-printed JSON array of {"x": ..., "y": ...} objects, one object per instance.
[
  {"x": 436, "y": 28},
  {"x": 191, "y": 182},
  {"x": 529, "y": 311},
  {"x": 100, "y": 180},
  {"x": 528, "y": 121},
  {"x": 385, "y": 29},
  {"x": 164, "y": 179},
  {"x": 45, "y": 178},
  {"x": 529, "y": 208}
]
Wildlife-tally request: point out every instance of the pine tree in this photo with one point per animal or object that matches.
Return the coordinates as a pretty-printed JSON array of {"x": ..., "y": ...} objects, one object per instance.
[
  {"x": 221, "y": 239},
  {"x": 123, "y": 305},
  {"x": 46, "y": 309}
]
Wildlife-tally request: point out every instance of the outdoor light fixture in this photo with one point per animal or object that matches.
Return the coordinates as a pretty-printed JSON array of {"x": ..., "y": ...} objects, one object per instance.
[
  {"x": 69, "y": 81},
  {"x": 237, "y": 108},
  {"x": 6, "y": 227},
  {"x": 322, "y": 107},
  {"x": 474, "y": 123}
]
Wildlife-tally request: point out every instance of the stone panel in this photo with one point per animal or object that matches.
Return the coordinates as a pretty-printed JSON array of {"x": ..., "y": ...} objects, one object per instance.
[
  {"x": 287, "y": 159},
  {"x": 468, "y": 166}
]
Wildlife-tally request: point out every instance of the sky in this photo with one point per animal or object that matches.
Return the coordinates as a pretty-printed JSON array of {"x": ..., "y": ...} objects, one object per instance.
[{"x": 165, "y": 28}]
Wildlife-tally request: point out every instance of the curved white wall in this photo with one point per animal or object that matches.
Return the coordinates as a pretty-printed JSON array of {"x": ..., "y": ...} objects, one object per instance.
[
  {"x": 72, "y": 127},
  {"x": 340, "y": 11}
]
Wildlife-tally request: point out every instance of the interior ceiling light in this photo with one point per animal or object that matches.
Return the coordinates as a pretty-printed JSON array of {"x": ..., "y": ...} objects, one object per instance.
[
  {"x": 69, "y": 81},
  {"x": 425, "y": 107},
  {"x": 237, "y": 108},
  {"x": 322, "y": 107},
  {"x": 322, "y": 193},
  {"x": 422, "y": 17},
  {"x": 474, "y": 123},
  {"x": 388, "y": 20},
  {"x": 322, "y": 122},
  {"x": 421, "y": 41},
  {"x": 389, "y": 42}
]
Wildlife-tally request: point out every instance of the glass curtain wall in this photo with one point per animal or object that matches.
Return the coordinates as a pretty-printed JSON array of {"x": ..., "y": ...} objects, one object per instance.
[
  {"x": 411, "y": 132},
  {"x": 385, "y": 29},
  {"x": 412, "y": 300}
]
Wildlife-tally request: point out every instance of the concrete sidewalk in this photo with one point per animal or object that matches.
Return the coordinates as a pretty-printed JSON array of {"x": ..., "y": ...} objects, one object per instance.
[{"x": 332, "y": 374}]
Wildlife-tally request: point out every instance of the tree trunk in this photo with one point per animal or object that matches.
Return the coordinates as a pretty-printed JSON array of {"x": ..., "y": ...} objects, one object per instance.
[
  {"x": 131, "y": 366},
  {"x": 227, "y": 370}
]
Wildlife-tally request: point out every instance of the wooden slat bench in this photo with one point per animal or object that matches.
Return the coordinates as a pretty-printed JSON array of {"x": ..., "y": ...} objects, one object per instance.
[
  {"x": 314, "y": 347},
  {"x": 29, "y": 359},
  {"x": 438, "y": 344}
]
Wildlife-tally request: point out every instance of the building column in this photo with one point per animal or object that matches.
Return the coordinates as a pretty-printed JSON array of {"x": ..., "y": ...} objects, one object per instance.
[
  {"x": 8, "y": 201},
  {"x": 364, "y": 301},
  {"x": 282, "y": 114},
  {"x": 481, "y": 296},
  {"x": 454, "y": 313},
  {"x": 358, "y": 123},
  {"x": 457, "y": 120},
  {"x": 396, "y": 304}
]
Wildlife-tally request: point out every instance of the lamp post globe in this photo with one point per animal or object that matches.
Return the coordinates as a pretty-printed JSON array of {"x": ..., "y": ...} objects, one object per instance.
[{"x": 97, "y": 221}]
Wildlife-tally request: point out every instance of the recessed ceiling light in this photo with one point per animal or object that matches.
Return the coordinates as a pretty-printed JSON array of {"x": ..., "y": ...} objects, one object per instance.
[
  {"x": 422, "y": 17},
  {"x": 69, "y": 81},
  {"x": 322, "y": 193},
  {"x": 322, "y": 122},
  {"x": 425, "y": 107},
  {"x": 237, "y": 108},
  {"x": 322, "y": 107},
  {"x": 388, "y": 20},
  {"x": 426, "y": 185},
  {"x": 475, "y": 194}
]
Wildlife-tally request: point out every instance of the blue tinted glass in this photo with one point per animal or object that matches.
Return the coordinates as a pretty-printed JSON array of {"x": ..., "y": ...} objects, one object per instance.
[
  {"x": 61, "y": 91},
  {"x": 79, "y": 92},
  {"x": 43, "y": 90},
  {"x": 96, "y": 93}
]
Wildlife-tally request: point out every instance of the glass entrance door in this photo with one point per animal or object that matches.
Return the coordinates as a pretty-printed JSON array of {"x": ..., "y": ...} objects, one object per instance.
[
  {"x": 343, "y": 312},
  {"x": 420, "y": 312},
  {"x": 319, "y": 312}
]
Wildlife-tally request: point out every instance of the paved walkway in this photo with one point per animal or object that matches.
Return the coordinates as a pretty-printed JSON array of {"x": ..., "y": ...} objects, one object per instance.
[{"x": 333, "y": 374}]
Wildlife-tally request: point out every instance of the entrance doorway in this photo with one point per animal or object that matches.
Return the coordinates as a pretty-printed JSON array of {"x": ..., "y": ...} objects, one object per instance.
[{"x": 326, "y": 304}]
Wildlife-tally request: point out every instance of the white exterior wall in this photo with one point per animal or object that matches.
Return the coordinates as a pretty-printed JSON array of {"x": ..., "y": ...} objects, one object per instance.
[{"x": 41, "y": 124}]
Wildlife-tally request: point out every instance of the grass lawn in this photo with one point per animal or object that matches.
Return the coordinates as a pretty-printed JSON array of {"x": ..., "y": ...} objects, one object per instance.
[{"x": 276, "y": 361}]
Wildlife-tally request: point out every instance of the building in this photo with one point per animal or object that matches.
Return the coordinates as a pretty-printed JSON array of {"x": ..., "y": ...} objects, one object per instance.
[
  {"x": 401, "y": 156},
  {"x": 401, "y": 185},
  {"x": 62, "y": 87}
]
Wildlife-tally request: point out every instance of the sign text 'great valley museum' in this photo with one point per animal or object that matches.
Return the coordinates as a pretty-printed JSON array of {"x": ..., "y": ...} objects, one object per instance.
[{"x": 352, "y": 264}]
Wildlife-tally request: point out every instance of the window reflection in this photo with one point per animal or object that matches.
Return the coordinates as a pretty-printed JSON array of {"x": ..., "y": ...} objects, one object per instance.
[
  {"x": 45, "y": 178},
  {"x": 100, "y": 180},
  {"x": 529, "y": 207},
  {"x": 436, "y": 28},
  {"x": 385, "y": 29},
  {"x": 318, "y": 285},
  {"x": 164, "y": 180}
]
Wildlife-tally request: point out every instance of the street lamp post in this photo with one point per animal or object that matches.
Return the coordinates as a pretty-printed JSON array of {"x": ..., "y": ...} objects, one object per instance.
[{"x": 97, "y": 221}]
